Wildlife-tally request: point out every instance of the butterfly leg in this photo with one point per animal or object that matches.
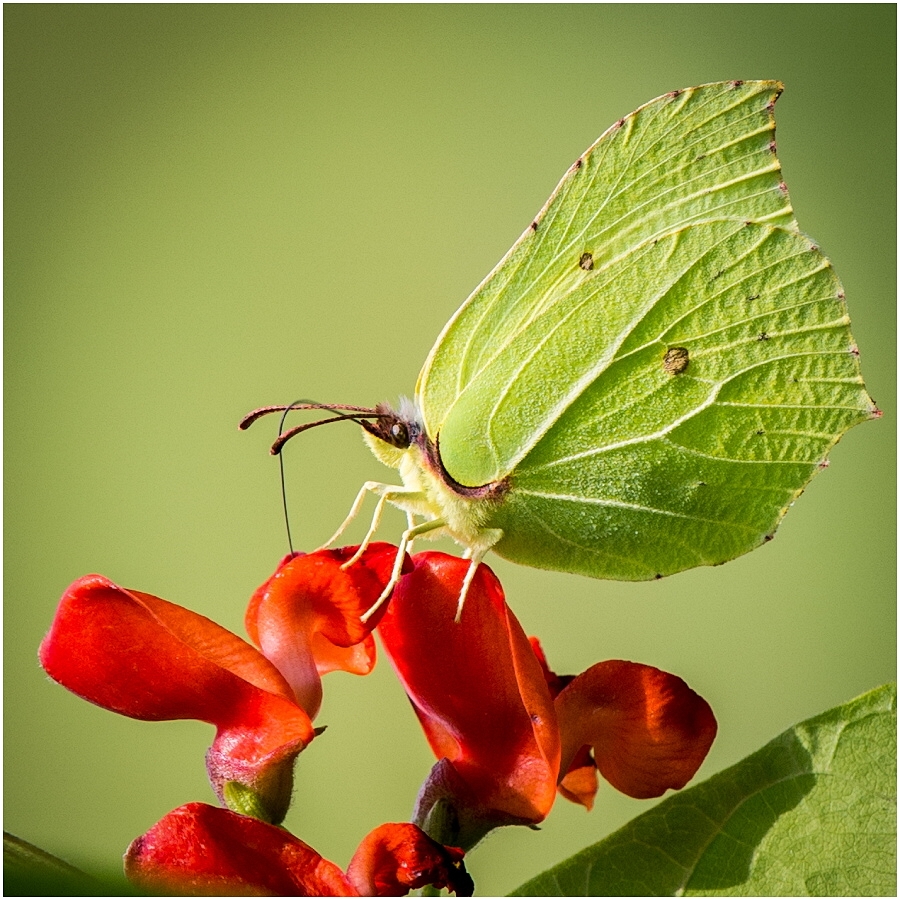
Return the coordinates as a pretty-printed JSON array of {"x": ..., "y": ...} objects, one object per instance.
[
  {"x": 475, "y": 555},
  {"x": 368, "y": 487},
  {"x": 389, "y": 493},
  {"x": 405, "y": 541},
  {"x": 410, "y": 524}
]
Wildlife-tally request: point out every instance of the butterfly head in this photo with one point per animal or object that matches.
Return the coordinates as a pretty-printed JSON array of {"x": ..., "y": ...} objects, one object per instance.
[{"x": 398, "y": 428}]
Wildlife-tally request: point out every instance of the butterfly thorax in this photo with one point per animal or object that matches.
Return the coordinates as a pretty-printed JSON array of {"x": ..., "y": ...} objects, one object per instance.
[{"x": 400, "y": 441}]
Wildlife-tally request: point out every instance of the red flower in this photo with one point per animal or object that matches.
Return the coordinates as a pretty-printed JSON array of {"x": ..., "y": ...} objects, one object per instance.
[
  {"x": 645, "y": 730},
  {"x": 399, "y": 857},
  {"x": 506, "y": 730},
  {"x": 143, "y": 657},
  {"x": 200, "y": 849},
  {"x": 480, "y": 696},
  {"x": 306, "y": 617}
]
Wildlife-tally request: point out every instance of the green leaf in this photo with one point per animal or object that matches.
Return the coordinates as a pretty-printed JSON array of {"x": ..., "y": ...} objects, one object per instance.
[
  {"x": 811, "y": 813},
  {"x": 29, "y": 871}
]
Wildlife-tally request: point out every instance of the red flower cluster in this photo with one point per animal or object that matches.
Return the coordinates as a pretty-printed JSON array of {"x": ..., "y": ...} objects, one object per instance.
[
  {"x": 146, "y": 658},
  {"x": 507, "y": 732},
  {"x": 207, "y": 850}
]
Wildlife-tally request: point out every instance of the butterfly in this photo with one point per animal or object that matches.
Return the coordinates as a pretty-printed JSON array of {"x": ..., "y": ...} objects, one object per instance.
[{"x": 650, "y": 376}]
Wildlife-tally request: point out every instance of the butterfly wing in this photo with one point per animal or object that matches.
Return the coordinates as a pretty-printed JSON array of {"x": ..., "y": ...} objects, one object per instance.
[
  {"x": 658, "y": 466},
  {"x": 689, "y": 156},
  {"x": 660, "y": 366}
]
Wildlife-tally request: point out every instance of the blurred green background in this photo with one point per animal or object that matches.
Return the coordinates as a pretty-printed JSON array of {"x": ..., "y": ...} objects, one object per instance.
[{"x": 211, "y": 208}]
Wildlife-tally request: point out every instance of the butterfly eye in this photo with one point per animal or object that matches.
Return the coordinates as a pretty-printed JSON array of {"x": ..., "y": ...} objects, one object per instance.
[{"x": 399, "y": 434}]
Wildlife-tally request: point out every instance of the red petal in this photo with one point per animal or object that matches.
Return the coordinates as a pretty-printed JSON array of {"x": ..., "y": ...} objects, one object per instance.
[
  {"x": 648, "y": 729},
  {"x": 554, "y": 682},
  {"x": 475, "y": 684},
  {"x": 201, "y": 850},
  {"x": 306, "y": 617},
  {"x": 397, "y": 858},
  {"x": 145, "y": 658},
  {"x": 580, "y": 783}
]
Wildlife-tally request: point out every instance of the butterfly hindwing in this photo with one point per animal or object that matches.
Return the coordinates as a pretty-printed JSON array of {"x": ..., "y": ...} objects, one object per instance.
[{"x": 654, "y": 468}]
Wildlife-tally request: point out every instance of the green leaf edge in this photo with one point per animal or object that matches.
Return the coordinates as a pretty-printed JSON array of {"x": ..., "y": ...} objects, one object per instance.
[
  {"x": 817, "y": 736},
  {"x": 29, "y": 871}
]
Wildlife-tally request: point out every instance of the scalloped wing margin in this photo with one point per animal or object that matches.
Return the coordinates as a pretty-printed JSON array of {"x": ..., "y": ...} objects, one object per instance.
[{"x": 646, "y": 472}]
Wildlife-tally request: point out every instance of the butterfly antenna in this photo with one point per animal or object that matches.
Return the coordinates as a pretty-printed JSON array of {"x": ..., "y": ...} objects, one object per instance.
[
  {"x": 353, "y": 413},
  {"x": 284, "y": 500},
  {"x": 251, "y": 417}
]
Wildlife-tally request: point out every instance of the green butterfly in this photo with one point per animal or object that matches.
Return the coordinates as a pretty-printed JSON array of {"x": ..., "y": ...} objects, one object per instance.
[{"x": 649, "y": 377}]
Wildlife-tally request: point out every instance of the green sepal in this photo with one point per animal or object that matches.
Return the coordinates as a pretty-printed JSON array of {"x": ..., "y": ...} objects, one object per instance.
[{"x": 244, "y": 800}]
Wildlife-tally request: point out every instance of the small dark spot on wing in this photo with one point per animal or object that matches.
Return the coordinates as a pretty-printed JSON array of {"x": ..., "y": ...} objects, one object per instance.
[
  {"x": 676, "y": 360},
  {"x": 586, "y": 262}
]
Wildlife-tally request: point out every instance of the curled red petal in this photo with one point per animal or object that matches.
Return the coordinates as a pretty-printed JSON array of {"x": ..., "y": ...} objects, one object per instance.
[
  {"x": 143, "y": 657},
  {"x": 306, "y": 617},
  {"x": 578, "y": 782},
  {"x": 252, "y": 607},
  {"x": 202, "y": 850},
  {"x": 476, "y": 685},
  {"x": 554, "y": 682},
  {"x": 397, "y": 858},
  {"x": 649, "y": 731}
]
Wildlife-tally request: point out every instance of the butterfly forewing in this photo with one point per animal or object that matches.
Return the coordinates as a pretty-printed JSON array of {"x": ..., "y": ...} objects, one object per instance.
[{"x": 690, "y": 156}]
